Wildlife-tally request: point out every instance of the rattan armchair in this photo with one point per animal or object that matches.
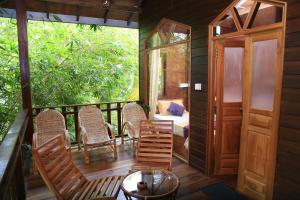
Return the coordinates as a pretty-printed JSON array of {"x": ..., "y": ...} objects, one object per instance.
[
  {"x": 49, "y": 124},
  {"x": 94, "y": 131},
  {"x": 65, "y": 180},
  {"x": 132, "y": 114}
]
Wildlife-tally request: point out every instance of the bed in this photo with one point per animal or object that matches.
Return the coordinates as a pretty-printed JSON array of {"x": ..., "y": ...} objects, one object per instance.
[
  {"x": 181, "y": 134},
  {"x": 180, "y": 123}
]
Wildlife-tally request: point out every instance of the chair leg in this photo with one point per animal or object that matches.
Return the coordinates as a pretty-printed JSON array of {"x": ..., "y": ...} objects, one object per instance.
[
  {"x": 70, "y": 152},
  {"x": 122, "y": 136},
  {"x": 115, "y": 150},
  {"x": 86, "y": 155},
  {"x": 133, "y": 143},
  {"x": 34, "y": 168}
]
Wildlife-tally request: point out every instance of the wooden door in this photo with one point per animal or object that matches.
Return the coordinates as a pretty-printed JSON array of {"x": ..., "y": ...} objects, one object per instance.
[
  {"x": 228, "y": 106},
  {"x": 261, "y": 103}
]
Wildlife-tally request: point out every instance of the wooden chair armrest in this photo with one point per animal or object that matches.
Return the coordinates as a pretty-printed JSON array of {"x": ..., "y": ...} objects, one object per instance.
[
  {"x": 83, "y": 135},
  {"x": 129, "y": 126},
  {"x": 34, "y": 140},
  {"x": 109, "y": 126}
]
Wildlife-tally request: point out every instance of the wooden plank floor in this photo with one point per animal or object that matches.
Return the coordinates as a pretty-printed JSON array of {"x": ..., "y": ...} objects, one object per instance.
[{"x": 103, "y": 164}]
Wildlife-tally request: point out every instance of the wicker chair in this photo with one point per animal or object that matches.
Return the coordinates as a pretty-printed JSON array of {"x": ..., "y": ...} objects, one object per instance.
[
  {"x": 94, "y": 131},
  {"x": 49, "y": 124},
  {"x": 132, "y": 114},
  {"x": 155, "y": 147},
  {"x": 65, "y": 180}
]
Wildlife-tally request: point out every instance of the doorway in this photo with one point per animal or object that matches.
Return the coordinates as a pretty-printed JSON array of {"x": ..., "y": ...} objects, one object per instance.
[
  {"x": 167, "y": 80},
  {"x": 246, "y": 47}
]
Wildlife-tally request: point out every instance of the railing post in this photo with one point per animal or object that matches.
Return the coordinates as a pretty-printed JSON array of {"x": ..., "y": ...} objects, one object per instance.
[
  {"x": 19, "y": 178},
  {"x": 24, "y": 64},
  {"x": 64, "y": 111},
  {"x": 108, "y": 106},
  {"x": 119, "y": 118},
  {"x": 77, "y": 127}
]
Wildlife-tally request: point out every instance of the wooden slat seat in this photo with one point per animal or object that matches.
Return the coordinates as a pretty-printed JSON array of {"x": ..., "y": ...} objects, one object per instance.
[
  {"x": 155, "y": 147},
  {"x": 65, "y": 180}
]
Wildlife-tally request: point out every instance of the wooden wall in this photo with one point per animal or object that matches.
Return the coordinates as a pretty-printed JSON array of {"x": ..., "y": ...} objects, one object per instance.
[
  {"x": 175, "y": 73},
  {"x": 195, "y": 14},
  {"x": 198, "y": 14},
  {"x": 287, "y": 180}
]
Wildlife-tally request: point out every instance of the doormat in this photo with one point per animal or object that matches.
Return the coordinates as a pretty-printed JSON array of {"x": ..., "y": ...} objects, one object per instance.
[{"x": 220, "y": 191}]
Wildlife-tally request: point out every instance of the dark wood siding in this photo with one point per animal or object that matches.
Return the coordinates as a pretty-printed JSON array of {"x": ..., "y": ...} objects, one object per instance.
[
  {"x": 194, "y": 14},
  {"x": 198, "y": 14},
  {"x": 287, "y": 180}
]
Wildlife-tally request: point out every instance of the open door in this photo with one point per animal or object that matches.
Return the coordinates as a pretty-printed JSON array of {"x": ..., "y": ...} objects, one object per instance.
[
  {"x": 229, "y": 82},
  {"x": 261, "y": 103}
]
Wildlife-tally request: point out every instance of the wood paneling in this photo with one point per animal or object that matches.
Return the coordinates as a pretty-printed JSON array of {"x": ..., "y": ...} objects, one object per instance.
[
  {"x": 287, "y": 179},
  {"x": 198, "y": 14},
  {"x": 120, "y": 10},
  {"x": 192, "y": 13}
]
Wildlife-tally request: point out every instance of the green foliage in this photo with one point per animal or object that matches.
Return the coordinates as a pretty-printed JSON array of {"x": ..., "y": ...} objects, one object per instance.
[
  {"x": 10, "y": 95},
  {"x": 73, "y": 64},
  {"x": 70, "y": 64}
]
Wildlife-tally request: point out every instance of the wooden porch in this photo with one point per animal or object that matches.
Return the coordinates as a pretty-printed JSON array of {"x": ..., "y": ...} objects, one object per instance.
[{"x": 103, "y": 164}]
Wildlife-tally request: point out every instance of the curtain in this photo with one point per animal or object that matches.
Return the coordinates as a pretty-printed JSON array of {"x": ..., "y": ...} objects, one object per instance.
[{"x": 154, "y": 66}]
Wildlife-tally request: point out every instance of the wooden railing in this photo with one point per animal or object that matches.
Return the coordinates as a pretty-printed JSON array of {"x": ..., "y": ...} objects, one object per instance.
[
  {"x": 12, "y": 184},
  {"x": 111, "y": 110}
]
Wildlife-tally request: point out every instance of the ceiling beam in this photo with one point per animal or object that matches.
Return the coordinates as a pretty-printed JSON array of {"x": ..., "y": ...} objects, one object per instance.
[
  {"x": 129, "y": 19},
  {"x": 105, "y": 15},
  {"x": 93, "y": 3},
  {"x": 139, "y": 4}
]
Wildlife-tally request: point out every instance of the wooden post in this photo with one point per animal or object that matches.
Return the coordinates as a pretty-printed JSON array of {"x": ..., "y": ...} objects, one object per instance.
[
  {"x": 119, "y": 109},
  {"x": 77, "y": 131},
  {"x": 24, "y": 64}
]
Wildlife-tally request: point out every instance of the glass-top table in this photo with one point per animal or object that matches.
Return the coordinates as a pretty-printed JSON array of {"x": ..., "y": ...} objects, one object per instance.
[{"x": 150, "y": 184}]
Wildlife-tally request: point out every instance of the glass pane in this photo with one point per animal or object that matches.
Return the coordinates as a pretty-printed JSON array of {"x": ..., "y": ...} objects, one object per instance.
[
  {"x": 172, "y": 32},
  {"x": 154, "y": 41},
  {"x": 267, "y": 14},
  {"x": 243, "y": 8},
  {"x": 263, "y": 74},
  {"x": 179, "y": 34},
  {"x": 165, "y": 31},
  {"x": 233, "y": 66},
  {"x": 225, "y": 25}
]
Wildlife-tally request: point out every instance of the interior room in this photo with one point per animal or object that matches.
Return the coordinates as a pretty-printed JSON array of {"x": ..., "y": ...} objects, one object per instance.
[{"x": 168, "y": 51}]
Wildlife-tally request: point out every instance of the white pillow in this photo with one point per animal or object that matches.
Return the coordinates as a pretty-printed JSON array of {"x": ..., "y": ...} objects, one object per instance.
[{"x": 163, "y": 105}]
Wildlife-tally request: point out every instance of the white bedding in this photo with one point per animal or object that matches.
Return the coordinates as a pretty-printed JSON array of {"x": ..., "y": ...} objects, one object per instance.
[{"x": 179, "y": 122}]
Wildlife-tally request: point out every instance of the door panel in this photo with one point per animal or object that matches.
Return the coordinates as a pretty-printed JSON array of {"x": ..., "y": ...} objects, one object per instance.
[
  {"x": 262, "y": 90},
  {"x": 229, "y": 103}
]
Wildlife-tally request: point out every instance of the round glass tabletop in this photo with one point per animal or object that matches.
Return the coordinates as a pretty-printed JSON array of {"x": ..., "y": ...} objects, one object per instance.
[{"x": 153, "y": 183}]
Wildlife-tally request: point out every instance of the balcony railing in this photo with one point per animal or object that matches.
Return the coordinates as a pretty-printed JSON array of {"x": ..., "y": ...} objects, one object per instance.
[
  {"x": 111, "y": 110},
  {"x": 12, "y": 184}
]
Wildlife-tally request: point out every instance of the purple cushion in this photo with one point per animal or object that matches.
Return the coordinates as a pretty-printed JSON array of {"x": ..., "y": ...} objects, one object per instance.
[{"x": 176, "y": 109}]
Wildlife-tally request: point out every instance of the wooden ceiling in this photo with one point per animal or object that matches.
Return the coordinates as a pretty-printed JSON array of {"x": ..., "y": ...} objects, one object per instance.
[{"x": 124, "y": 10}]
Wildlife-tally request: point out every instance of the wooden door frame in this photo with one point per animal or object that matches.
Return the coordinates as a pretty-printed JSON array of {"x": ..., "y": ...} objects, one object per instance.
[
  {"x": 189, "y": 67},
  {"x": 267, "y": 35},
  {"x": 241, "y": 31},
  {"x": 221, "y": 44}
]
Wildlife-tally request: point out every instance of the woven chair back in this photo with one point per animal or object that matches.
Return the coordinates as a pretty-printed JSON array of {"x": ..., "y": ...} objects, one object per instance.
[
  {"x": 92, "y": 119},
  {"x": 134, "y": 113},
  {"x": 49, "y": 124}
]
